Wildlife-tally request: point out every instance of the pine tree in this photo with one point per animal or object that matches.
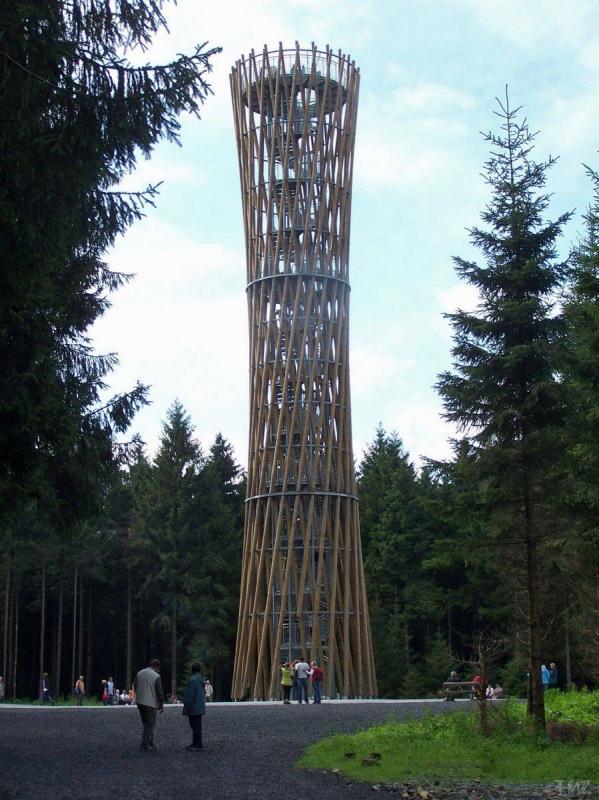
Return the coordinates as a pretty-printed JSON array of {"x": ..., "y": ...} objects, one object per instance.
[
  {"x": 166, "y": 522},
  {"x": 504, "y": 390},
  {"x": 404, "y": 599},
  {"x": 217, "y": 565}
]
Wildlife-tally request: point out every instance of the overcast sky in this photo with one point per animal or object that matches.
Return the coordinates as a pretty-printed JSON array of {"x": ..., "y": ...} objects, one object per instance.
[{"x": 430, "y": 70}]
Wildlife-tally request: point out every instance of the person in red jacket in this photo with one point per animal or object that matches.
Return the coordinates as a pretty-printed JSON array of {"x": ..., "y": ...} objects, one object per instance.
[
  {"x": 317, "y": 675},
  {"x": 476, "y": 687}
]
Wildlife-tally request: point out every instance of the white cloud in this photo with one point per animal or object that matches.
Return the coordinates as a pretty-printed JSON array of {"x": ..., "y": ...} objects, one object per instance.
[
  {"x": 385, "y": 161},
  {"x": 462, "y": 296},
  {"x": 168, "y": 263},
  {"x": 416, "y": 136},
  {"x": 180, "y": 326},
  {"x": 424, "y": 432},
  {"x": 377, "y": 369},
  {"x": 416, "y": 416}
]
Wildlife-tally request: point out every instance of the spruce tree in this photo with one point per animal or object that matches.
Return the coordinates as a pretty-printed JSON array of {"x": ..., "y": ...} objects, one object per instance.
[
  {"x": 75, "y": 115},
  {"x": 166, "y": 528},
  {"x": 188, "y": 530},
  {"x": 403, "y": 597},
  {"x": 580, "y": 563},
  {"x": 504, "y": 391}
]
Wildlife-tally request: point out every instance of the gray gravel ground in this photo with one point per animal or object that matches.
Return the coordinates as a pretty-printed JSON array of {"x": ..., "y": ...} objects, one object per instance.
[
  {"x": 92, "y": 754},
  {"x": 250, "y": 749}
]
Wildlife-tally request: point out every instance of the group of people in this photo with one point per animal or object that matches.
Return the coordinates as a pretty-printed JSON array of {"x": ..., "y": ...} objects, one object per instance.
[
  {"x": 295, "y": 677},
  {"x": 491, "y": 692},
  {"x": 111, "y": 696},
  {"x": 549, "y": 677}
]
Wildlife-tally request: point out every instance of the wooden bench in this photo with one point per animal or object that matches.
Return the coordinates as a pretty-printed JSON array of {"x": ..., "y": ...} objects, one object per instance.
[{"x": 452, "y": 689}]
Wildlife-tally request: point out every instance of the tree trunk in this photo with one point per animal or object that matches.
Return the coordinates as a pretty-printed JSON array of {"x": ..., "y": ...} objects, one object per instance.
[
  {"x": 8, "y": 677},
  {"x": 42, "y": 624},
  {"x": 567, "y": 647},
  {"x": 74, "y": 652},
  {"x": 128, "y": 656},
  {"x": 16, "y": 649},
  {"x": 6, "y": 625},
  {"x": 536, "y": 699},
  {"x": 89, "y": 660},
  {"x": 80, "y": 642},
  {"x": 58, "y": 653},
  {"x": 482, "y": 700},
  {"x": 174, "y": 650}
]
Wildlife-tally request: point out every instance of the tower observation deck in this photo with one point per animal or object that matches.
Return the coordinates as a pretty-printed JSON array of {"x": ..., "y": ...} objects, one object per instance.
[{"x": 302, "y": 585}]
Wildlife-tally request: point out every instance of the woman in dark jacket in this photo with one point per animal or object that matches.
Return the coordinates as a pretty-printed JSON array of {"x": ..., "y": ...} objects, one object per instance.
[{"x": 194, "y": 705}]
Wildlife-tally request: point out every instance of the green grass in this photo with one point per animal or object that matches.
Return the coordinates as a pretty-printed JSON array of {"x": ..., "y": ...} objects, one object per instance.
[
  {"x": 450, "y": 747},
  {"x": 70, "y": 701}
]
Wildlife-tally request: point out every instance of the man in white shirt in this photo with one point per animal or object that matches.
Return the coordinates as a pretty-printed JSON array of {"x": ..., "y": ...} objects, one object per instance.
[
  {"x": 302, "y": 669},
  {"x": 150, "y": 700}
]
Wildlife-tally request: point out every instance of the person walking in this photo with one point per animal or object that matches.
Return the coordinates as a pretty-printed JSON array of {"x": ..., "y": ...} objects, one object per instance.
[
  {"x": 317, "y": 675},
  {"x": 286, "y": 681},
  {"x": 80, "y": 691},
  {"x": 194, "y": 706},
  {"x": 553, "y": 675},
  {"x": 46, "y": 690},
  {"x": 301, "y": 670},
  {"x": 110, "y": 690},
  {"x": 208, "y": 691},
  {"x": 150, "y": 700},
  {"x": 2, "y": 689}
]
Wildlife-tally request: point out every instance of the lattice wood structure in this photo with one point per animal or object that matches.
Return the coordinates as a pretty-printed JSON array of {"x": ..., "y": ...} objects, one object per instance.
[{"x": 302, "y": 586}]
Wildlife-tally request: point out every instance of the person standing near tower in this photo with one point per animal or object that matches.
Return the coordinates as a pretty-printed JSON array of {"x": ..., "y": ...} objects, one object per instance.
[
  {"x": 317, "y": 675},
  {"x": 286, "y": 681},
  {"x": 46, "y": 690},
  {"x": 150, "y": 699},
  {"x": 80, "y": 690},
  {"x": 302, "y": 669},
  {"x": 194, "y": 706}
]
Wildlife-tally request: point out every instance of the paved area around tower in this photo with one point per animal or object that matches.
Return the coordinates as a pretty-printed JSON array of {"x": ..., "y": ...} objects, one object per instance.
[{"x": 250, "y": 748}]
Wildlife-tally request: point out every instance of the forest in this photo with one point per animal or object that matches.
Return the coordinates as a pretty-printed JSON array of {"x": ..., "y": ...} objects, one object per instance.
[{"x": 113, "y": 551}]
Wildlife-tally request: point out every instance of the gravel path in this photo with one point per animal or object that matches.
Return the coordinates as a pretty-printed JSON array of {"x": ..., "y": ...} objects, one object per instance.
[{"x": 92, "y": 754}]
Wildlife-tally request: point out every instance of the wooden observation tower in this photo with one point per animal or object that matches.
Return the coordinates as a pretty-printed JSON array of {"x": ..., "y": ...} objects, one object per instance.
[{"x": 302, "y": 585}]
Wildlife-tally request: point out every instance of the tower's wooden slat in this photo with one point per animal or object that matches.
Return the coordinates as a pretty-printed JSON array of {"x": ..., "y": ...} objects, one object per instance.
[{"x": 302, "y": 583}]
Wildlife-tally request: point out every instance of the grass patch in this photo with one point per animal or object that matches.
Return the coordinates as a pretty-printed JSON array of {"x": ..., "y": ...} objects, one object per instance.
[
  {"x": 63, "y": 701},
  {"x": 450, "y": 747}
]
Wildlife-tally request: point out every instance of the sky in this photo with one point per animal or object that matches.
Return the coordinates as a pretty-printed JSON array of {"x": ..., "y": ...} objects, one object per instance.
[{"x": 430, "y": 73}]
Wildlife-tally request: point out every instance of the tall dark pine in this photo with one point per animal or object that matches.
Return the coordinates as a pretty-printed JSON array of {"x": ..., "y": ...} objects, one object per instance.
[
  {"x": 581, "y": 371},
  {"x": 74, "y": 117},
  {"x": 503, "y": 390},
  {"x": 166, "y": 524}
]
